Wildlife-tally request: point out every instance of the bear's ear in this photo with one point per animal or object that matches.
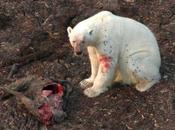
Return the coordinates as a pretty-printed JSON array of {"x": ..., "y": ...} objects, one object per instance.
[
  {"x": 90, "y": 32},
  {"x": 69, "y": 30}
]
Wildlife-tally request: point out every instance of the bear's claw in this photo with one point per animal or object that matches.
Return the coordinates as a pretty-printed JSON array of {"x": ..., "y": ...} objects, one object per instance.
[{"x": 85, "y": 84}]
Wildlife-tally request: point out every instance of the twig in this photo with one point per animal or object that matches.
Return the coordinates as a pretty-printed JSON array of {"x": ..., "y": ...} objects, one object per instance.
[
  {"x": 127, "y": 126},
  {"x": 13, "y": 70},
  {"x": 173, "y": 64},
  {"x": 29, "y": 58},
  {"x": 140, "y": 113},
  {"x": 47, "y": 19}
]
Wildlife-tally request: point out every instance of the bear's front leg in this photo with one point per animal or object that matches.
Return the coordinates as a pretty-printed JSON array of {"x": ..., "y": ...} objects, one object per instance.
[
  {"x": 104, "y": 77},
  {"x": 94, "y": 68}
]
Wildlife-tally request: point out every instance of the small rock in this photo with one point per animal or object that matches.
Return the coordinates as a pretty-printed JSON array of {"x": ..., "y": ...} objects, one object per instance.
[
  {"x": 129, "y": 1},
  {"x": 72, "y": 64},
  {"x": 67, "y": 66},
  {"x": 165, "y": 77},
  {"x": 68, "y": 79},
  {"x": 61, "y": 61},
  {"x": 173, "y": 43},
  {"x": 164, "y": 91}
]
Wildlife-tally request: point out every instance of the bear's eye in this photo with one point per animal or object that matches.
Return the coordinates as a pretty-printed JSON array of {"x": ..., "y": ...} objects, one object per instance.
[{"x": 73, "y": 41}]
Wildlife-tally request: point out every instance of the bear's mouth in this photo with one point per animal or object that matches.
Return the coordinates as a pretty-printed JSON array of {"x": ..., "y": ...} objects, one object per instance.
[{"x": 78, "y": 53}]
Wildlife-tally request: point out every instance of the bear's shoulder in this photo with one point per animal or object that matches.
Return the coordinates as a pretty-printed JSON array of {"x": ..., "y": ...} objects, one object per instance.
[
  {"x": 87, "y": 23},
  {"x": 103, "y": 14}
]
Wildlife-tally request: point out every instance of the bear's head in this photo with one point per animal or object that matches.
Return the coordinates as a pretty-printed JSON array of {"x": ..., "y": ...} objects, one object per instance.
[{"x": 79, "y": 38}]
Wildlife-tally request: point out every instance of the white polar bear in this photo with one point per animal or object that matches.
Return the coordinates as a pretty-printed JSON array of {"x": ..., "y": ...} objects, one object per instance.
[{"x": 119, "y": 49}]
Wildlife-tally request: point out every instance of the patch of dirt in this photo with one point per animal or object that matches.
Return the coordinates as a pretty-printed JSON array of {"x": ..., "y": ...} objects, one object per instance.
[{"x": 33, "y": 36}]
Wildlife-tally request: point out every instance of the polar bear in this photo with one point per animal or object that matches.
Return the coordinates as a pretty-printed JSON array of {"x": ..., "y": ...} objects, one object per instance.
[{"x": 120, "y": 49}]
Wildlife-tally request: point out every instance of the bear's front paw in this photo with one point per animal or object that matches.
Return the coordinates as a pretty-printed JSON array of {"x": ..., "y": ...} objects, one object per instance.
[
  {"x": 91, "y": 92},
  {"x": 86, "y": 83}
]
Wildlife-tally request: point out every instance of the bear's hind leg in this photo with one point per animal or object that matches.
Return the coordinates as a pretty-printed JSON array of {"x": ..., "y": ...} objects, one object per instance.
[
  {"x": 145, "y": 72},
  {"x": 118, "y": 77},
  {"x": 86, "y": 83}
]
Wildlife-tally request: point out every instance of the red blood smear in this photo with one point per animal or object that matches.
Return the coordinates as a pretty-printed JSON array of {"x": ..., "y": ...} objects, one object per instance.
[
  {"x": 106, "y": 65},
  {"x": 105, "y": 58},
  {"x": 105, "y": 61},
  {"x": 45, "y": 114},
  {"x": 60, "y": 90}
]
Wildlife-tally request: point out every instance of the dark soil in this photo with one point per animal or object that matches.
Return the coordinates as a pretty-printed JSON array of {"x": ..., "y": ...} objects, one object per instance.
[{"x": 33, "y": 37}]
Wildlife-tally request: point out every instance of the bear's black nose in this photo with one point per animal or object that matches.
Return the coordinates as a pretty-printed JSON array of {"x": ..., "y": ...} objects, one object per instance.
[{"x": 78, "y": 53}]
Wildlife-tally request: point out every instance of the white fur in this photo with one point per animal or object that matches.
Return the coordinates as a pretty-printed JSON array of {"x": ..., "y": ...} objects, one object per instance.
[{"x": 131, "y": 45}]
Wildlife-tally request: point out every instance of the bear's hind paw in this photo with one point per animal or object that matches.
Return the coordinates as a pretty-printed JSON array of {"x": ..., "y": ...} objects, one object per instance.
[{"x": 145, "y": 86}]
